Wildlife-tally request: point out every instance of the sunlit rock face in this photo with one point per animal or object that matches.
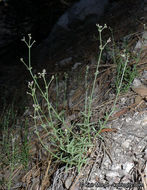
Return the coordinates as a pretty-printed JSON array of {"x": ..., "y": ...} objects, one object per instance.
[
  {"x": 81, "y": 10},
  {"x": 84, "y": 10},
  {"x": 82, "y": 15}
]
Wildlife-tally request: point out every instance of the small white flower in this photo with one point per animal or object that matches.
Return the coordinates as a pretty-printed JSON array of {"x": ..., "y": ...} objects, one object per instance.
[
  {"x": 30, "y": 84},
  {"x": 23, "y": 39},
  {"x": 53, "y": 77},
  {"x": 123, "y": 55},
  {"x": 21, "y": 59},
  {"x": 30, "y": 37},
  {"x": 29, "y": 93},
  {"x": 39, "y": 75},
  {"x": 109, "y": 40},
  {"x": 105, "y": 25},
  {"x": 34, "y": 117},
  {"x": 99, "y": 26},
  {"x": 43, "y": 72},
  {"x": 36, "y": 107}
]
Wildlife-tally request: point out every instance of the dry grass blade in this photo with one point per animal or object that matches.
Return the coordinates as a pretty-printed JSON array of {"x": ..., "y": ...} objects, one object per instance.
[
  {"x": 45, "y": 181},
  {"x": 143, "y": 175}
]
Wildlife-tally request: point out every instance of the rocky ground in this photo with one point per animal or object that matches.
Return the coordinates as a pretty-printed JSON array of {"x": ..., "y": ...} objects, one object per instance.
[
  {"x": 120, "y": 156},
  {"x": 119, "y": 161}
]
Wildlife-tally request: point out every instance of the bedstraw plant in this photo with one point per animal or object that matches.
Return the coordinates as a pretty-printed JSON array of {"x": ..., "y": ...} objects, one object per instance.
[{"x": 67, "y": 143}]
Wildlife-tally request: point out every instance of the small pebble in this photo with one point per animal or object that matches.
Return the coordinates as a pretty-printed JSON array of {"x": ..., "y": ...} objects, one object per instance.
[
  {"x": 128, "y": 119},
  {"x": 68, "y": 182},
  {"x": 112, "y": 174},
  {"x": 144, "y": 122},
  {"x": 126, "y": 144},
  {"x": 128, "y": 166}
]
